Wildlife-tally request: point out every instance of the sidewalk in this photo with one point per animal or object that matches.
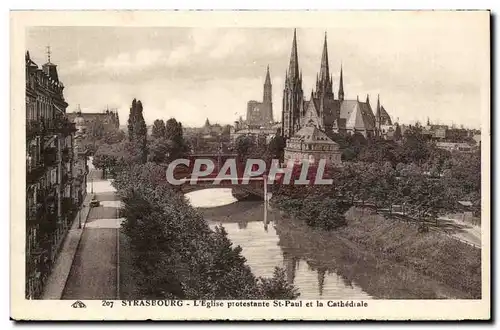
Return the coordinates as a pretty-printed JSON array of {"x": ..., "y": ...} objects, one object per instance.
[{"x": 57, "y": 279}]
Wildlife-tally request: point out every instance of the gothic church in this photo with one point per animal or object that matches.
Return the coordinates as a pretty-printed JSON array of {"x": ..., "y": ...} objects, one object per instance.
[{"x": 323, "y": 110}]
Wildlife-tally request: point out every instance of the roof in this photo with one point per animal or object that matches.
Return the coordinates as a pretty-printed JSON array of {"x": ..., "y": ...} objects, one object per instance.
[
  {"x": 385, "y": 115},
  {"x": 311, "y": 133},
  {"x": 106, "y": 118},
  {"x": 357, "y": 114}
]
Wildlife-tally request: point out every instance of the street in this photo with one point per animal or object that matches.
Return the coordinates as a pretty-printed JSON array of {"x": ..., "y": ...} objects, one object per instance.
[{"x": 94, "y": 270}]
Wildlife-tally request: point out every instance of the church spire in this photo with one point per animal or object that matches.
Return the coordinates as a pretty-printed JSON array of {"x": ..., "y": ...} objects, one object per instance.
[
  {"x": 294, "y": 60},
  {"x": 268, "y": 77},
  {"x": 367, "y": 99},
  {"x": 324, "y": 72},
  {"x": 341, "y": 85}
]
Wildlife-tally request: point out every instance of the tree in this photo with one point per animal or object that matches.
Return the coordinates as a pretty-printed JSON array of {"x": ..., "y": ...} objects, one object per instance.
[
  {"x": 176, "y": 255},
  {"x": 415, "y": 147},
  {"x": 137, "y": 130},
  {"x": 276, "y": 147},
  {"x": 397, "y": 133},
  {"x": 173, "y": 130},
  {"x": 132, "y": 120},
  {"x": 113, "y": 158},
  {"x": 96, "y": 129},
  {"x": 158, "y": 130},
  {"x": 158, "y": 150},
  {"x": 114, "y": 137},
  {"x": 244, "y": 145},
  {"x": 277, "y": 287}
]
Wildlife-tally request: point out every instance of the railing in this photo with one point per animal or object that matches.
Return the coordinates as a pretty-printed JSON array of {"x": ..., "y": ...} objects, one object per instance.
[
  {"x": 33, "y": 128},
  {"x": 50, "y": 156},
  {"x": 67, "y": 206},
  {"x": 66, "y": 154},
  {"x": 45, "y": 126},
  {"x": 33, "y": 173},
  {"x": 35, "y": 215}
]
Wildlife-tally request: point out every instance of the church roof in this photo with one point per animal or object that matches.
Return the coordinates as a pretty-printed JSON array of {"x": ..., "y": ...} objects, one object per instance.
[
  {"x": 385, "y": 115},
  {"x": 357, "y": 114},
  {"x": 312, "y": 134}
]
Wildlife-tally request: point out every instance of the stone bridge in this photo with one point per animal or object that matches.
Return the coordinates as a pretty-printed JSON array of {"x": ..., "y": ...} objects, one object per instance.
[{"x": 253, "y": 190}]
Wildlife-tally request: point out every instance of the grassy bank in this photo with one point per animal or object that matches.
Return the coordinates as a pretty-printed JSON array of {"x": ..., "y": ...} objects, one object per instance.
[
  {"x": 432, "y": 254},
  {"x": 396, "y": 247}
]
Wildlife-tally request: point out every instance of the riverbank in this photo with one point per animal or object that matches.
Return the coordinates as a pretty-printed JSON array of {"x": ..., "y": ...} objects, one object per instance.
[{"x": 430, "y": 264}]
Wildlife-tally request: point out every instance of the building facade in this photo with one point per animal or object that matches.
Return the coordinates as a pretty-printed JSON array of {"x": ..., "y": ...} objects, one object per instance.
[
  {"x": 96, "y": 124},
  {"x": 311, "y": 145},
  {"x": 52, "y": 194}
]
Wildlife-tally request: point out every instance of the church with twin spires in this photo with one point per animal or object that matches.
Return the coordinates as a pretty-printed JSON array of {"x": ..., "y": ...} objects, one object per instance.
[{"x": 322, "y": 110}]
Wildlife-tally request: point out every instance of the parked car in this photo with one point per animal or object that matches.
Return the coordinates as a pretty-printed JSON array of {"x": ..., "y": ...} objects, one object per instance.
[{"x": 94, "y": 202}]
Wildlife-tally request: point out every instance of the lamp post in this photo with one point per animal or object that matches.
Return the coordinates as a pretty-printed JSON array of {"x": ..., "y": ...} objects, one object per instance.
[{"x": 80, "y": 217}]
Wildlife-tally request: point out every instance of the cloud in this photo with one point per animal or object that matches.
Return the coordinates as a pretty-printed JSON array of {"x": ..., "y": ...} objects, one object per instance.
[{"x": 419, "y": 71}]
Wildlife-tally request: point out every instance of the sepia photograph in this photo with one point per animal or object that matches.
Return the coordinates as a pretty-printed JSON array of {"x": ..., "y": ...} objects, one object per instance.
[{"x": 336, "y": 160}]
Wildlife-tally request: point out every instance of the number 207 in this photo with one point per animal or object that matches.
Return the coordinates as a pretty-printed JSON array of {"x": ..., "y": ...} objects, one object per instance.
[{"x": 107, "y": 303}]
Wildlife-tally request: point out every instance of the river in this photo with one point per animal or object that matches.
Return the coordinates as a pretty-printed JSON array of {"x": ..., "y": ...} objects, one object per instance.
[{"x": 307, "y": 255}]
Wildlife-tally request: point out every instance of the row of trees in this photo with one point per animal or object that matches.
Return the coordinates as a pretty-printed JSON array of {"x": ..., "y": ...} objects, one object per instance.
[
  {"x": 383, "y": 185},
  {"x": 176, "y": 254},
  {"x": 167, "y": 141},
  {"x": 248, "y": 147},
  {"x": 413, "y": 147}
]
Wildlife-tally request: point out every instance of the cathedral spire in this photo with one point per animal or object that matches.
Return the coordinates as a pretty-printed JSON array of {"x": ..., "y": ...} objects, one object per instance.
[
  {"x": 268, "y": 77},
  {"x": 367, "y": 99},
  {"x": 341, "y": 84},
  {"x": 324, "y": 72},
  {"x": 294, "y": 60}
]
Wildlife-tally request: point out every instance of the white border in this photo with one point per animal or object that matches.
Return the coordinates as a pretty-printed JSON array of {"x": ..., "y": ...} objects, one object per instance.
[{"x": 289, "y": 5}]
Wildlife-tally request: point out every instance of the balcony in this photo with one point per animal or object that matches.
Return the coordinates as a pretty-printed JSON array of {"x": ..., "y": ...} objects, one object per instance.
[
  {"x": 68, "y": 206},
  {"x": 33, "y": 128},
  {"x": 48, "y": 223},
  {"x": 35, "y": 215},
  {"x": 63, "y": 125},
  {"x": 34, "y": 172},
  {"x": 67, "y": 154},
  {"x": 50, "y": 156},
  {"x": 46, "y": 195},
  {"x": 57, "y": 125}
]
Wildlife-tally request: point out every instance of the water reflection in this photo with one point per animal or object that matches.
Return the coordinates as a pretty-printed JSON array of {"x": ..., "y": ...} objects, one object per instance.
[
  {"x": 265, "y": 246},
  {"x": 320, "y": 264}
]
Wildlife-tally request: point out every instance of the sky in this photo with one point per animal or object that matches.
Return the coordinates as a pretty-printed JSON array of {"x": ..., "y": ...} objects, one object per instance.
[{"x": 419, "y": 70}]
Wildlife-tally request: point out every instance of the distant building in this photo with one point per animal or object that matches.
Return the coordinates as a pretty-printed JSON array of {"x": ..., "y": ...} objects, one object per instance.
[
  {"x": 260, "y": 114},
  {"x": 457, "y": 146},
  {"x": 311, "y": 144},
  {"x": 96, "y": 124}
]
